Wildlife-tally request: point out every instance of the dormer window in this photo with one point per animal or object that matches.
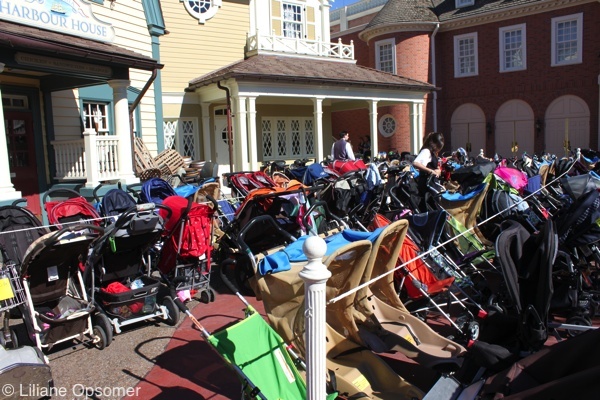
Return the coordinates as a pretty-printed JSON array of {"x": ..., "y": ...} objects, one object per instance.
[
  {"x": 464, "y": 3},
  {"x": 202, "y": 9},
  {"x": 293, "y": 21}
]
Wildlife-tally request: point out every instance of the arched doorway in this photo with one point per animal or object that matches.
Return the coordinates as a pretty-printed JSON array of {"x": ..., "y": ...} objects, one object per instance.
[
  {"x": 468, "y": 127},
  {"x": 567, "y": 119},
  {"x": 514, "y": 124}
]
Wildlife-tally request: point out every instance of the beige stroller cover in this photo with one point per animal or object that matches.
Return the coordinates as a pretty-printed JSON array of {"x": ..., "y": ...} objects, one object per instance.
[
  {"x": 358, "y": 371},
  {"x": 385, "y": 324}
]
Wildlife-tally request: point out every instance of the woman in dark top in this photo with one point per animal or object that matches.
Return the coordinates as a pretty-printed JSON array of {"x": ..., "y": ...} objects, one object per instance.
[{"x": 427, "y": 163}]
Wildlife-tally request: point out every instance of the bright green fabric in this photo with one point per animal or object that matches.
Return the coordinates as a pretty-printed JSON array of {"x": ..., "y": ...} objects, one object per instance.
[
  {"x": 469, "y": 242},
  {"x": 260, "y": 353}
]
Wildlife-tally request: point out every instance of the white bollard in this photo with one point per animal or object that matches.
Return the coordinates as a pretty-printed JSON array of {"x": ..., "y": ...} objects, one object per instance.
[{"x": 315, "y": 275}]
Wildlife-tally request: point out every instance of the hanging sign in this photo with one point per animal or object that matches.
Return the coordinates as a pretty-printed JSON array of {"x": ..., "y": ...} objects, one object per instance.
[{"x": 72, "y": 17}]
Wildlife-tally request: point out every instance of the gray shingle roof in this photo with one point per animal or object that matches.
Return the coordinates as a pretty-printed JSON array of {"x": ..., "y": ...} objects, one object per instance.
[
  {"x": 395, "y": 11},
  {"x": 311, "y": 71},
  {"x": 398, "y": 11}
]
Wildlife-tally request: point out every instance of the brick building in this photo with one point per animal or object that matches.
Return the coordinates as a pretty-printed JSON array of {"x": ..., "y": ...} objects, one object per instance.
[{"x": 512, "y": 76}]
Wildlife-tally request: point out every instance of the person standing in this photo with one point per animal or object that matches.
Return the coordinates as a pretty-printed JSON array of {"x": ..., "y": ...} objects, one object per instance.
[
  {"x": 342, "y": 149},
  {"x": 427, "y": 164}
]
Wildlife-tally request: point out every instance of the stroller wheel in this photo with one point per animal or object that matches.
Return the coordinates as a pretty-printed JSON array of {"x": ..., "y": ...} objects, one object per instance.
[
  {"x": 576, "y": 320},
  {"x": 103, "y": 322},
  {"x": 100, "y": 341},
  {"x": 207, "y": 296},
  {"x": 172, "y": 310},
  {"x": 473, "y": 330}
]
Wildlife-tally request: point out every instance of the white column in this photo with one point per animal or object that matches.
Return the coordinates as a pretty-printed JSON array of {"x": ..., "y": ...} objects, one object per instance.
[
  {"x": 207, "y": 131},
  {"x": 91, "y": 158},
  {"x": 123, "y": 130},
  {"x": 7, "y": 189},
  {"x": 318, "y": 130},
  {"x": 373, "y": 123},
  {"x": 252, "y": 133},
  {"x": 240, "y": 134},
  {"x": 416, "y": 127},
  {"x": 325, "y": 34},
  {"x": 315, "y": 275}
]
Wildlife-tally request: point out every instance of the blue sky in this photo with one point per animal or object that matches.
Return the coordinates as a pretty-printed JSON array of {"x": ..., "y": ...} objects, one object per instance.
[{"x": 342, "y": 3}]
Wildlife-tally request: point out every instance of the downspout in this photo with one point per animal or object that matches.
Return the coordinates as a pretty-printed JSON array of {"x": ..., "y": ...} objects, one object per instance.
[
  {"x": 132, "y": 108},
  {"x": 229, "y": 133},
  {"x": 433, "y": 75}
]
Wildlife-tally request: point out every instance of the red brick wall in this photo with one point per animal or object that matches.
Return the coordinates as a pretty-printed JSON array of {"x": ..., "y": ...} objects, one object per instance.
[{"x": 538, "y": 85}]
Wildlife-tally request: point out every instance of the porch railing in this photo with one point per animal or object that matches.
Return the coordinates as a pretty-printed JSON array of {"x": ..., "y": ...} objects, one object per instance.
[
  {"x": 75, "y": 162},
  {"x": 260, "y": 42}
]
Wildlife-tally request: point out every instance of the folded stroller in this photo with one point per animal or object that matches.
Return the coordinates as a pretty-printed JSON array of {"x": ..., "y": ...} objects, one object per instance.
[
  {"x": 57, "y": 307},
  {"x": 118, "y": 270},
  {"x": 185, "y": 259}
]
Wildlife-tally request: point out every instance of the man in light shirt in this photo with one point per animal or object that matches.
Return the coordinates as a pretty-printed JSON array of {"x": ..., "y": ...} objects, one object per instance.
[{"x": 342, "y": 149}]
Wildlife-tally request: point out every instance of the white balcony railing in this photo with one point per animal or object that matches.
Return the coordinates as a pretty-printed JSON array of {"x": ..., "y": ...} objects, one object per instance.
[
  {"x": 72, "y": 163},
  {"x": 280, "y": 44}
]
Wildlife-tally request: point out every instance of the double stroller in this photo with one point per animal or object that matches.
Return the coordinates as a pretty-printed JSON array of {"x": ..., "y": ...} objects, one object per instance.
[{"x": 118, "y": 272}]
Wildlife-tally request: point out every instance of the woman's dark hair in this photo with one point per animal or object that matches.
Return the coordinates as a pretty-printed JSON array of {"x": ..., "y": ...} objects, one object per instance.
[{"x": 434, "y": 141}]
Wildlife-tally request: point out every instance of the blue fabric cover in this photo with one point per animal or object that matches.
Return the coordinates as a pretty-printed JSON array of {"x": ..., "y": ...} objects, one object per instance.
[
  {"x": 186, "y": 190},
  {"x": 280, "y": 261},
  {"x": 457, "y": 196}
]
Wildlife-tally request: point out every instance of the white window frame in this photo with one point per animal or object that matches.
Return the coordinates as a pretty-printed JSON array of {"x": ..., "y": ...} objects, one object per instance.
[
  {"x": 555, "y": 21},
  {"x": 378, "y": 45},
  {"x": 457, "y": 57},
  {"x": 93, "y": 111},
  {"x": 202, "y": 9},
  {"x": 301, "y": 23},
  {"x": 384, "y": 124},
  {"x": 275, "y": 154},
  {"x": 463, "y": 3},
  {"x": 503, "y": 49}
]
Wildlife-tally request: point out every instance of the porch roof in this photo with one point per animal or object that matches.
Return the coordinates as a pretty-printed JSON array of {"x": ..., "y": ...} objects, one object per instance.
[
  {"x": 39, "y": 41},
  {"x": 286, "y": 69}
]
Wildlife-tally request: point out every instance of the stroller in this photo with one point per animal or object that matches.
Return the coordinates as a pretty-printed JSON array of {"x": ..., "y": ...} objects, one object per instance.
[
  {"x": 74, "y": 209},
  {"x": 57, "y": 307},
  {"x": 115, "y": 271},
  {"x": 185, "y": 259},
  {"x": 25, "y": 363},
  {"x": 155, "y": 190}
]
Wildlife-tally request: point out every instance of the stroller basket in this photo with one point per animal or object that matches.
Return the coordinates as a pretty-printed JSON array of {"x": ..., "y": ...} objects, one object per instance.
[
  {"x": 130, "y": 302},
  {"x": 11, "y": 288}
]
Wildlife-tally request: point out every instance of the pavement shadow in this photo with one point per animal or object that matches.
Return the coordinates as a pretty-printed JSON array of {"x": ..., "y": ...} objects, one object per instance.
[{"x": 194, "y": 366}]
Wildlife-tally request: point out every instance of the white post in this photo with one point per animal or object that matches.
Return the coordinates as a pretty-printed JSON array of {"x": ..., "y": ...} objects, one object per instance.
[
  {"x": 207, "y": 132},
  {"x": 123, "y": 130},
  {"x": 318, "y": 129},
  {"x": 91, "y": 158},
  {"x": 373, "y": 119},
  {"x": 7, "y": 189},
  {"x": 240, "y": 133},
  {"x": 315, "y": 275},
  {"x": 252, "y": 133}
]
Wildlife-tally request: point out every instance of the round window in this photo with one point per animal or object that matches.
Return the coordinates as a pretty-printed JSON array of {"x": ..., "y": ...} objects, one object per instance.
[
  {"x": 387, "y": 125},
  {"x": 202, "y": 9}
]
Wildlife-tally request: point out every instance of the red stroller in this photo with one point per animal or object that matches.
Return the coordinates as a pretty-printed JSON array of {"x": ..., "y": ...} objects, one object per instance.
[
  {"x": 73, "y": 208},
  {"x": 184, "y": 261}
]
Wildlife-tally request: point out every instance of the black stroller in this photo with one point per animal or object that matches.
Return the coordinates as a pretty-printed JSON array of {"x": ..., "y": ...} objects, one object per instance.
[
  {"x": 57, "y": 307},
  {"x": 119, "y": 271}
]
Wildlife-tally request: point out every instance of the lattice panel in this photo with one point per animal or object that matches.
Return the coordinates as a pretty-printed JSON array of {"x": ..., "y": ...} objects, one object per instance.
[
  {"x": 309, "y": 137},
  {"x": 295, "y": 126},
  {"x": 281, "y": 138},
  {"x": 169, "y": 133},
  {"x": 267, "y": 138}
]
